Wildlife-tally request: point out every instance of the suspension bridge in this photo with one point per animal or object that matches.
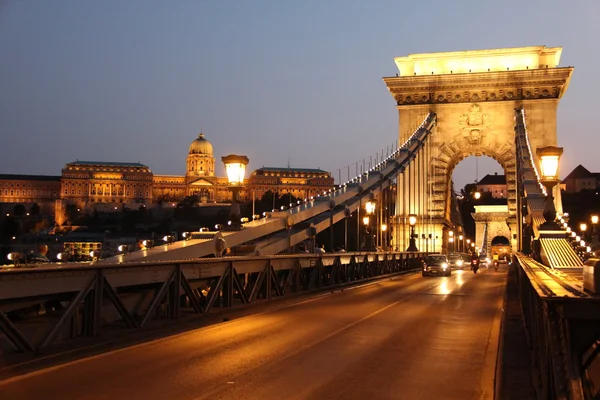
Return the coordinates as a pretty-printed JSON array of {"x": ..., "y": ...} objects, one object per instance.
[{"x": 501, "y": 103}]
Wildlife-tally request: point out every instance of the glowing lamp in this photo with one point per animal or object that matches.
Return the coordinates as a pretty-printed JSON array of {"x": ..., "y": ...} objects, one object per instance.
[
  {"x": 412, "y": 219},
  {"x": 370, "y": 207},
  {"x": 549, "y": 158},
  {"x": 235, "y": 167}
]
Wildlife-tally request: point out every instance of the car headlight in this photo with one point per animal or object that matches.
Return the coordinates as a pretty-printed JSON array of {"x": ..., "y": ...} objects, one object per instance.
[
  {"x": 459, "y": 263},
  {"x": 444, "y": 265}
]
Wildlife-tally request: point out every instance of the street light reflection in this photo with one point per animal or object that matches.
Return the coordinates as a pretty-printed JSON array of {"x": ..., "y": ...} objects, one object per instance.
[{"x": 444, "y": 289}]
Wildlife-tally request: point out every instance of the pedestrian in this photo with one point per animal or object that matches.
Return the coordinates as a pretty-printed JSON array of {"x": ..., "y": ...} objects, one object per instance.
[{"x": 42, "y": 255}]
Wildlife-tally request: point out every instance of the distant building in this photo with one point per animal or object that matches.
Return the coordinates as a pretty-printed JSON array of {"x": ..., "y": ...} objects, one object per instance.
[
  {"x": 494, "y": 184},
  {"x": 580, "y": 179},
  {"x": 85, "y": 182},
  {"x": 299, "y": 182},
  {"x": 112, "y": 186},
  {"x": 29, "y": 189}
]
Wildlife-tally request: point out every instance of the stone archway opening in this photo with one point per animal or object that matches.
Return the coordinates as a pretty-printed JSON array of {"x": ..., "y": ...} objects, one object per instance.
[
  {"x": 477, "y": 180},
  {"x": 501, "y": 246}
]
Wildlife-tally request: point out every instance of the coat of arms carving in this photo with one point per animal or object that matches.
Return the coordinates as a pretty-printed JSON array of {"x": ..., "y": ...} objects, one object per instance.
[{"x": 474, "y": 124}]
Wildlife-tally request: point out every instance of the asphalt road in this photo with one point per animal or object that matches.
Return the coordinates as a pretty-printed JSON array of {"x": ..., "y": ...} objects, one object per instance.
[{"x": 407, "y": 338}]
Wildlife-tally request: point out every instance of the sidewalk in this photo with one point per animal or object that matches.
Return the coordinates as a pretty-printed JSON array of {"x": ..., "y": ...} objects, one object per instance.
[{"x": 514, "y": 371}]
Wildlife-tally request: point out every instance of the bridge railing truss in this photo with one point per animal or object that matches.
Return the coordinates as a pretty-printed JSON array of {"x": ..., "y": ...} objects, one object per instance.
[
  {"x": 562, "y": 325},
  {"x": 40, "y": 307},
  {"x": 558, "y": 251}
]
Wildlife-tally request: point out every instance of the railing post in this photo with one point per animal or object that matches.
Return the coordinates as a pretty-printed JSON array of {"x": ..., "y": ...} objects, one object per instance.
[{"x": 175, "y": 293}]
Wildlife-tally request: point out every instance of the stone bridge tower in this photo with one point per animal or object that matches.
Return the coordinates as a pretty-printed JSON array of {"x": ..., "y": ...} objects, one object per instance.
[
  {"x": 474, "y": 94},
  {"x": 491, "y": 222}
]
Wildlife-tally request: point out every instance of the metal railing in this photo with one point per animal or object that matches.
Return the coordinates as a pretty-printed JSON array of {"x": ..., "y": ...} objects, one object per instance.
[
  {"x": 562, "y": 324},
  {"x": 42, "y": 306}
]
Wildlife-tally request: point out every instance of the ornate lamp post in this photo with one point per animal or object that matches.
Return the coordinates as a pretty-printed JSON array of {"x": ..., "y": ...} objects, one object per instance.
[
  {"x": 594, "y": 220},
  {"x": 235, "y": 166},
  {"x": 460, "y": 243},
  {"x": 450, "y": 241},
  {"x": 366, "y": 221},
  {"x": 583, "y": 229},
  {"x": 384, "y": 242},
  {"x": 370, "y": 208},
  {"x": 549, "y": 158},
  {"x": 412, "y": 246}
]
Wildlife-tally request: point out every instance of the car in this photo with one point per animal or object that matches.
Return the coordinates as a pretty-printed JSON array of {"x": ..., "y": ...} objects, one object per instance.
[
  {"x": 484, "y": 260},
  {"x": 456, "y": 261},
  {"x": 436, "y": 264}
]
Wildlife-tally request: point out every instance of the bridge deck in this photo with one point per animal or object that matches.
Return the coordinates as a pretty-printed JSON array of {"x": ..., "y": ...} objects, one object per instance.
[{"x": 413, "y": 337}]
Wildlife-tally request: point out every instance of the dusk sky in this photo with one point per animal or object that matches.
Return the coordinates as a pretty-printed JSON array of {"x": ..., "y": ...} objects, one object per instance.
[{"x": 280, "y": 81}]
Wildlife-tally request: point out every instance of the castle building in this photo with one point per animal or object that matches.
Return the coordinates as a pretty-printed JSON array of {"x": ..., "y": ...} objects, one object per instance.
[
  {"x": 29, "y": 189},
  {"x": 301, "y": 183},
  {"x": 581, "y": 179},
  {"x": 494, "y": 184},
  {"x": 113, "y": 186}
]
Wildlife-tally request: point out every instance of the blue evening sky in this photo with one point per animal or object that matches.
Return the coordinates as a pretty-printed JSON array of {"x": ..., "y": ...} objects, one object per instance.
[{"x": 281, "y": 81}]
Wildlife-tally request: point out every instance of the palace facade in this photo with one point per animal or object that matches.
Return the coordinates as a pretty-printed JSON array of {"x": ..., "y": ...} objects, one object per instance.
[{"x": 111, "y": 186}]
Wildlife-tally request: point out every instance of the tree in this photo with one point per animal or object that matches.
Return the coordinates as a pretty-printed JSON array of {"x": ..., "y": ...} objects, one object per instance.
[
  {"x": 34, "y": 209},
  {"x": 71, "y": 212},
  {"x": 19, "y": 209},
  {"x": 189, "y": 201}
]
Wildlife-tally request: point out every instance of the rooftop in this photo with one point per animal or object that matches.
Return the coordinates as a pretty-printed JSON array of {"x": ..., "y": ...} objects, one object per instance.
[
  {"x": 290, "y": 169},
  {"x": 16, "y": 177},
  {"x": 579, "y": 172},
  {"x": 518, "y": 58},
  {"x": 108, "y": 163},
  {"x": 493, "y": 180}
]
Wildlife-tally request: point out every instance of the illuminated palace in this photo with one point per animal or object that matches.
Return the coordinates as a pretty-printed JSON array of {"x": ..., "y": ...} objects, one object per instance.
[{"x": 109, "y": 186}]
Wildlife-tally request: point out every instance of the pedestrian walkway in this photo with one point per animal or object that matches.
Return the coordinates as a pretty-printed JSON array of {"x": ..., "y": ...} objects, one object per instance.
[{"x": 514, "y": 368}]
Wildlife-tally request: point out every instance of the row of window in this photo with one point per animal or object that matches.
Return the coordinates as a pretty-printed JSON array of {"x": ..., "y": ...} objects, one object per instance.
[
  {"x": 294, "y": 175},
  {"x": 26, "y": 193},
  {"x": 27, "y": 186},
  {"x": 111, "y": 169},
  {"x": 115, "y": 194}
]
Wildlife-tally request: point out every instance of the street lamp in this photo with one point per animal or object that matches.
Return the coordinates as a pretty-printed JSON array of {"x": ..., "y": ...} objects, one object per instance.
[
  {"x": 583, "y": 229},
  {"x": 460, "y": 241},
  {"x": 412, "y": 220},
  {"x": 384, "y": 241},
  {"x": 235, "y": 166},
  {"x": 370, "y": 209},
  {"x": 549, "y": 158},
  {"x": 594, "y": 220},
  {"x": 366, "y": 221},
  {"x": 451, "y": 241}
]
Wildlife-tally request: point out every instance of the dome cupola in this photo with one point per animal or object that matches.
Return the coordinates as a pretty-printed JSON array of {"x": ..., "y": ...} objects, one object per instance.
[
  {"x": 200, "y": 159},
  {"x": 201, "y": 146}
]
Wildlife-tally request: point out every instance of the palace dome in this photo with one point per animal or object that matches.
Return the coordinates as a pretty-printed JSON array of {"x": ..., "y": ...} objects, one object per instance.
[{"x": 201, "y": 146}]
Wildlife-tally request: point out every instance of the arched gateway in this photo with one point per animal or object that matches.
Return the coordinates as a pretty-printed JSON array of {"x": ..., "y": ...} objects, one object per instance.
[{"x": 474, "y": 94}]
